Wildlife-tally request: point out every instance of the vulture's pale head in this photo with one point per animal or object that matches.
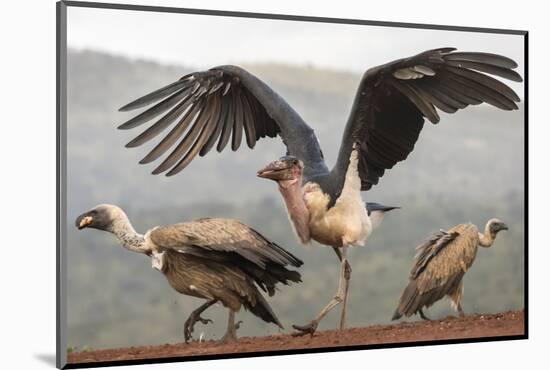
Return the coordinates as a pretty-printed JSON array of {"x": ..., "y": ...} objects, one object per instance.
[
  {"x": 287, "y": 169},
  {"x": 101, "y": 217},
  {"x": 495, "y": 225}
]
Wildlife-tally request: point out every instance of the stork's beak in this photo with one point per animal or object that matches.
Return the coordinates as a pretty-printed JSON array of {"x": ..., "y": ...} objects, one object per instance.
[
  {"x": 278, "y": 170},
  {"x": 83, "y": 221}
]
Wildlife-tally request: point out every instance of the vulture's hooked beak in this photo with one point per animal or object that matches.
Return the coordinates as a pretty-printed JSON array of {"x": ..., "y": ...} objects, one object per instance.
[
  {"x": 83, "y": 221},
  {"x": 279, "y": 170},
  {"x": 503, "y": 226}
]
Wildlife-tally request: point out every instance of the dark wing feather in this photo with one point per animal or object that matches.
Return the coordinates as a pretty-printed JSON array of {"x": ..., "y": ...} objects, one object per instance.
[
  {"x": 429, "y": 249},
  {"x": 393, "y": 99},
  {"x": 216, "y": 105},
  {"x": 238, "y": 124},
  {"x": 234, "y": 245},
  {"x": 223, "y": 237}
]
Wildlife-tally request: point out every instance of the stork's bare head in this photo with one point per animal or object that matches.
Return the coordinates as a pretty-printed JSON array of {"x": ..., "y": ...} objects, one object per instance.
[
  {"x": 285, "y": 169},
  {"x": 100, "y": 217}
]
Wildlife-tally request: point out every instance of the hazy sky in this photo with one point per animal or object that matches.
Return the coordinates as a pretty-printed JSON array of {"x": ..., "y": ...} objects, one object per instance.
[{"x": 205, "y": 41}]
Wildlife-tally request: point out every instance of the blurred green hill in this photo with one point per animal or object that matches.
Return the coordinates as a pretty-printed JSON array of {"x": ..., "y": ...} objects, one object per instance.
[{"x": 468, "y": 168}]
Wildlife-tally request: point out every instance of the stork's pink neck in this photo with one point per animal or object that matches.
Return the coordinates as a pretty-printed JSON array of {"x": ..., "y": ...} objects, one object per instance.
[{"x": 297, "y": 210}]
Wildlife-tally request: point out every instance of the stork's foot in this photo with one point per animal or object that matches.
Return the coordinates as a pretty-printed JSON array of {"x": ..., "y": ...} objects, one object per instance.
[
  {"x": 190, "y": 324},
  {"x": 305, "y": 329},
  {"x": 231, "y": 334},
  {"x": 424, "y": 317}
]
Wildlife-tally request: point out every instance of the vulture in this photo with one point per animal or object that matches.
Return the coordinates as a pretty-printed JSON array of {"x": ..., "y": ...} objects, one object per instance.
[
  {"x": 220, "y": 260},
  {"x": 440, "y": 264},
  {"x": 226, "y": 103}
]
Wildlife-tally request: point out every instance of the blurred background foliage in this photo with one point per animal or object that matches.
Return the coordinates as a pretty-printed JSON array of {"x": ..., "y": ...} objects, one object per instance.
[{"x": 468, "y": 168}]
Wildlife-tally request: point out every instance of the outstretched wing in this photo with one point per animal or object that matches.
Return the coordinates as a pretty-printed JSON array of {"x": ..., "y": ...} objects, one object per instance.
[
  {"x": 219, "y": 105},
  {"x": 393, "y": 99},
  {"x": 211, "y": 237}
]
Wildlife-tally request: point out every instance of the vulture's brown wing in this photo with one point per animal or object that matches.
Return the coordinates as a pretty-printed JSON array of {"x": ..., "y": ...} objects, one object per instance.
[
  {"x": 221, "y": 105},
  {"x": 216, "y": 238},
  {"x": 429, "y": 249},
  {"x": 451, "y": 255},
  {"x": 393, "y": 99}
]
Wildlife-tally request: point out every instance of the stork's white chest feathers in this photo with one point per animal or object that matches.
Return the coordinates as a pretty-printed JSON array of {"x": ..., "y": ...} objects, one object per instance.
[{"x": 347, "y": 222}]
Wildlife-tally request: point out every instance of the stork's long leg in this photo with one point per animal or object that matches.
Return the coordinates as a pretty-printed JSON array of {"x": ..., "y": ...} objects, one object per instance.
[
  {"x": 338, "y": 298},
  {"x": 231, "y": 333},
  {"x": 347, "y": 276},
  {"x": 194, "y": 317}
]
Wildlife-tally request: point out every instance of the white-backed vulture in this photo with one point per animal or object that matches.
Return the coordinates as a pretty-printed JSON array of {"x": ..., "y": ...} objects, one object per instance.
[
  {"x": 440, "y": 265},
  {"x": 220, "y": 260},
  {"x": 227, "y": 103}
]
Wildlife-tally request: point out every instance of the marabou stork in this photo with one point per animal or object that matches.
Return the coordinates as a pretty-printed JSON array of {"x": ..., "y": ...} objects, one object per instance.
[
  {"x": 384, "y": 124},
  {"x": 440, "y": 265},
  {"x": 220, "y": 260}
]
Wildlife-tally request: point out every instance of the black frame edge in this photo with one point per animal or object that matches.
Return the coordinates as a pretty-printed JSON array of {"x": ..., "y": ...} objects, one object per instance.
[
  {"x": 61, "y": 157},
  {"x": 526, "y": 184},
  {"x": 287, "y": 17},
  {"x": 184, "y": 359}
]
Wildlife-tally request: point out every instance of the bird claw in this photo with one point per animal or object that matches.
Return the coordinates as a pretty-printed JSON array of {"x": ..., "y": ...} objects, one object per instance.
[
  {"x": 190, "y": 324},
  {"x": 231, "y": 335},
  {"x": 305, "y": 329},
  {"x": 205, "y": 321}
]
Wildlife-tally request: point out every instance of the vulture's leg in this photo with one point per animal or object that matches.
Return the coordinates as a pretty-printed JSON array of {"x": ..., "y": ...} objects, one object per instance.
[
  {"x": 424, "y": 317},
  {"x": 347, "y": 276},
  {"x": 338, "y": 298},
  {"x": 460, "y": 311},
  {"x": 194, "y": 317},
  {"x": 231, "y": 333}
]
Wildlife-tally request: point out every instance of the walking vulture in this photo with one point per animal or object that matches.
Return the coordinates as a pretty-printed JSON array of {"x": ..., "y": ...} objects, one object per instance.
[
  {"x": 226, "y": 103},
  {"x": 220, "y": 260},
  {"x": 440, "y": 265}
]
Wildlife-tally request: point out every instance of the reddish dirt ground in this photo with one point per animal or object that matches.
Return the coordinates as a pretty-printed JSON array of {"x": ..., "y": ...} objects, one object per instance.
[{"x": 473, "y": 326}]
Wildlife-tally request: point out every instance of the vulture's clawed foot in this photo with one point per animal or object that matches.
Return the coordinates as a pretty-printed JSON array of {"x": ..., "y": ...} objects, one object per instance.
[
  {"x": 305, "y": 329},
  {"x": 423, "y": 316},
  {"x": 190, "y": 324},
  {"x": 231, "y": 335}
]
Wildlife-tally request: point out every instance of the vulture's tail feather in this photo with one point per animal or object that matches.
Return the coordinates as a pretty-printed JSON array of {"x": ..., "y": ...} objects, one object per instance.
[
  {"x": 263, "y": 310},
  {"x": 396, "y": 315},
  {"x": 409, "y": 302}
]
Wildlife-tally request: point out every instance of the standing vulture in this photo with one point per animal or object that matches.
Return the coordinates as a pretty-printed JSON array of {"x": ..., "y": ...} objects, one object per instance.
[
  {"x": 220, "y": 260},
  {"x": 440, "y": 265},
  {"x": 225, "y": 103}
]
